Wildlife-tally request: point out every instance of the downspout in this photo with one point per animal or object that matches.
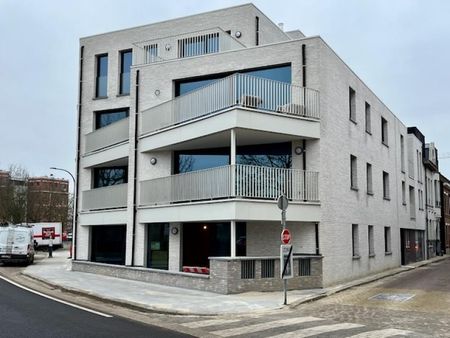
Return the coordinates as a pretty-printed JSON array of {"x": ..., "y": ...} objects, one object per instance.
[
  {"x": 304, "y": 108},
  {"x": 77, "y": 181},
  {"x": 136, "y": 134}
]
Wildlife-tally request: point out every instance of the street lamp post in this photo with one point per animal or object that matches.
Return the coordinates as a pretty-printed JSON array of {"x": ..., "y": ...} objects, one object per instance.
[{"x": 74, "y": 216}]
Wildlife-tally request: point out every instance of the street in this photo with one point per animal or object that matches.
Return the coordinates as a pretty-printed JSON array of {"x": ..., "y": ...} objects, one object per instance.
[
  {"x": 25, "y": 314},
  {"x": 411, "y": 304}
]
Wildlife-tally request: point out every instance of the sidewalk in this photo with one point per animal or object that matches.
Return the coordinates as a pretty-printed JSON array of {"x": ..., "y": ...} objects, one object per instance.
[{"x": 167, "y": 299}]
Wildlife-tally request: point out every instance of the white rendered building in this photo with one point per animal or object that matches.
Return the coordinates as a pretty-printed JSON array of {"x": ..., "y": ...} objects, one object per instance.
[{"x": 190, "y": 129}]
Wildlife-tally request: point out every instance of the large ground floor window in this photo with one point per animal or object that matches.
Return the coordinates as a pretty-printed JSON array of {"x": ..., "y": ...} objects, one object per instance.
[
  {"x": 412, "y": 245},
  {"x": 203, "y": 240},
  {"x": 108, "y": 244},
  {"x": 158, "y": 246}
]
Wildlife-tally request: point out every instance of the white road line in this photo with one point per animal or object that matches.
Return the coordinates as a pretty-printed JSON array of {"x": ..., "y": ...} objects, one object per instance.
[
  {"x": 382, "y": 333},
  {"x": 263, "y": 326},
  {"x": 313, "y": 331},
  {"x": 210, "y": 322},
  {"x": 55, "y": 299}
]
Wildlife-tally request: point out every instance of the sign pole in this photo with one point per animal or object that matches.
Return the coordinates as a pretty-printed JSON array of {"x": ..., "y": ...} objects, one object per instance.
[{"x": 282, "y": 205}]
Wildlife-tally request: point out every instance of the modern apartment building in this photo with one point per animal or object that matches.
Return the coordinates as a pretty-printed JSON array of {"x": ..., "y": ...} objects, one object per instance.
[{"x": 190, "y": 129}]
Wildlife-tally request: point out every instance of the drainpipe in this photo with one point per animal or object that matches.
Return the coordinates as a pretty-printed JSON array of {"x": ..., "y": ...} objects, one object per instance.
[
  {"x": 77, "y": 181},
  {"x": 136, "y": 134},
  {"x": 304, "y": 108}
]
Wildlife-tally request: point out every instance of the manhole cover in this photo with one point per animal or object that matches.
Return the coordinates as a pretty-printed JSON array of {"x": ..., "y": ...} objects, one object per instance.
[{"x": 393, "y": 297}]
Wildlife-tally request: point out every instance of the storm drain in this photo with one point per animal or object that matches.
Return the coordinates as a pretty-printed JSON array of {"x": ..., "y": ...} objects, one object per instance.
[{"x": 393, "y": 297}]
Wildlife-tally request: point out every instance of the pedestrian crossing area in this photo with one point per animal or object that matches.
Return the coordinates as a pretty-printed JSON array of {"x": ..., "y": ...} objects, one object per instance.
[{"x": 293, "y": 326}]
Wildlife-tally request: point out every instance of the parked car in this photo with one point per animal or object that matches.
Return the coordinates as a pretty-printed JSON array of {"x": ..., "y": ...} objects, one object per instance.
[{"x": 16, "y": 244}]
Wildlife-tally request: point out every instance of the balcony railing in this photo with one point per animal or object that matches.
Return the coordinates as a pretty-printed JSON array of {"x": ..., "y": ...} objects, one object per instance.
[
  {"x": 209, "y": 41},
  {"x": 235, "y": 90},
  {"x": 114, "y": 196},
  {"x": 245, "y": 181},
  {"x": 107, "y": 136}
]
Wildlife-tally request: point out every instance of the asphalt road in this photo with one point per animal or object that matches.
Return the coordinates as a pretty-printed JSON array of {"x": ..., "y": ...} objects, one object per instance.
[{"x": 25, "y": 314}]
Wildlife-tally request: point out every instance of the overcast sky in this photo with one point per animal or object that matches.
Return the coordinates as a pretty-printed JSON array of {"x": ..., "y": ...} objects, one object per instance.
[{"x": 400, "y": 49}]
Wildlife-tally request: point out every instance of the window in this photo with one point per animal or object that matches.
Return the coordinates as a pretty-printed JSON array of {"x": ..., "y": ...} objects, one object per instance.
[
  {"x": 403, "y": 193},
  {"x": 106, "y": 117},
  {"x": 101, "y": 89},
  {"x": 419, "y": 167},
  {"x": 257, "y": 30},
  {"x": 353, "y": 173},
  {"x": 369, "y": 179},
  {"x": 412, "y": 203},
  {"x": 125, "y": 64},
  {"x": 368, "y": 119},
  {"x": 386, "y": 185},
  {"x": 104, "y": 177},
  {"x": 371, "y": 241},
  {"x": 198, "y": 45},
  {"x": 384, "y": 131},
  {"x": 387, "y": 240},
  {"x": 402, "y": 153},
  {"x": 352, "y": 104},
  {"x": 276, "y": 155},
  {"x": 355, "y": 241}
]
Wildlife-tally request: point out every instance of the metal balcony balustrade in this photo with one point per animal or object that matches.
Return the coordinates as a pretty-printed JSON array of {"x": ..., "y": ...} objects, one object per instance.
[
  {"x": 114, "y": 133},
  {"x": 235, "y": 90},
  {"x": 232, "y": 181},
  {"x": 214, "y": 40},
  {"x": 111, "y": 197}
]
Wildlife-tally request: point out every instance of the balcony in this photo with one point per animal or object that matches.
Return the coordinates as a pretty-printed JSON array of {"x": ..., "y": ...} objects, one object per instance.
[
  {"x": 232, "y": 181},
  {"x": 237, "y": 90},
  {"x": 112, "y": 197},
  {"x": 112, "y": 134},
  {"x": 209, "y": 41}
]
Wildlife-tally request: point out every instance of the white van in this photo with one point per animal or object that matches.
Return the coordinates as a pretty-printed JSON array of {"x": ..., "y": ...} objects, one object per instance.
[{"x": 16, "y": 244}]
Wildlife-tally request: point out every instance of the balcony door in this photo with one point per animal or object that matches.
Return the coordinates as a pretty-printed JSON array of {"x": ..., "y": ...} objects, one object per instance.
[{"x": 158, "y": 246}]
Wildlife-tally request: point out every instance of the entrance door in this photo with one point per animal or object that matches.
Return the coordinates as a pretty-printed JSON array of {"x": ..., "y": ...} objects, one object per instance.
[
  {"x": 108, "y": 244},
  {"x": 158, "y": 246}
]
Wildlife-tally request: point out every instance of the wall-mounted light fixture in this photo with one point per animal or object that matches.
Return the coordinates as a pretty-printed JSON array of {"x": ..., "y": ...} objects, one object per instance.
[
  {"x": 174, "y": 230},
  {"x": 153, "y": 161},
  {"x": 238, "y": 34},
  {"x": 205, "y": 227},
  {"x": 299, "y": 150},
  {"x": 157, "y": 92}
]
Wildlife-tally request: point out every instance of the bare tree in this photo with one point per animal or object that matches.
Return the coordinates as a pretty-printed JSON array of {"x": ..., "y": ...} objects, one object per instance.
[{"x": 13, "y": 195}]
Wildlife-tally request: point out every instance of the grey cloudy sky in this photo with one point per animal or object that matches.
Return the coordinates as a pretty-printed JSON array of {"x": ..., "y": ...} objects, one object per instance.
[{"x": 401, "y": 49}]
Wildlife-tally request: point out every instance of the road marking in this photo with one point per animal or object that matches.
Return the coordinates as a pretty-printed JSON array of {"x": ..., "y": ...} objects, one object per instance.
[
  {"x": 263, "y": 326},
  {"x": 313, "y": 331},
  {"x": 210, "y": 322},
  {"x": 382, "y": 333},
  {"x": 55, "y": 299}
]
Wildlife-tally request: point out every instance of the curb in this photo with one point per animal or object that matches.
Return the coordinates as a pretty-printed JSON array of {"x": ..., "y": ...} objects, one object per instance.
[{"x": 367, "y": 280}]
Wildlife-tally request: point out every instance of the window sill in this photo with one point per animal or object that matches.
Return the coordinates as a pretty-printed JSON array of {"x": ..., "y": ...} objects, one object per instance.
[
  {"x": 369, "y": 132},
  {"x": 356, "y": 257},
  {"x": 412, "y": 218},
  {"x": 403, "y": 171},
  {"x": 370, "y": 193},
  {"x": 385, "y": 144},
  {"x": 100, "y": 98},
  {"x": 388, "y": 253},
  {"x": 120, "y": 95},
  {"x": 354, "y": 188},
  {"x": 386, "y": 198},
  {"x": 404, "y": 203},
  {"x": 371, "y": 255},
  {"x": 353, "y": 121}
]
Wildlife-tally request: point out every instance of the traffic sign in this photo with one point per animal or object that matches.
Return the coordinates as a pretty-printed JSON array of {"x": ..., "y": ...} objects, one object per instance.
[
  {"x": 285, "y": 236},
  {"x": 282, "y": 202},
  {"x": 287, "y": 262}
]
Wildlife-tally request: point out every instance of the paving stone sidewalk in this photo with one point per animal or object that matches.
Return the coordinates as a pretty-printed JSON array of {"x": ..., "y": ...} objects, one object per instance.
[{"x": 166, "y": 299}]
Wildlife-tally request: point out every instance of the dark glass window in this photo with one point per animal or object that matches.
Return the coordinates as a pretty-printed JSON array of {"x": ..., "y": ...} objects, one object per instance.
[
  {"x": 108, "y": 244},
  {"x": 102, "y": 76},
  {"x": 106, "y": 117},
  {"x": 277, "y": 73},
  {"x": 104, "y": 177},
  {"x": 276, "y": 155},
  {"x": 125, "y": 65},
  {"x": 158, "y": 246}
]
